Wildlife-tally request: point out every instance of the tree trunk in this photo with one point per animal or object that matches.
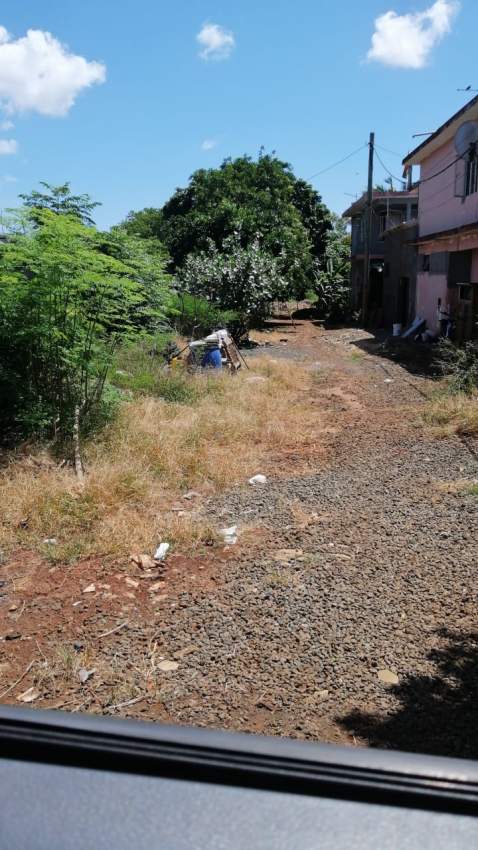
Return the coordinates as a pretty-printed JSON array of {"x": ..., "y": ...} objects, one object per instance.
[{"x": 80, "y": 472}]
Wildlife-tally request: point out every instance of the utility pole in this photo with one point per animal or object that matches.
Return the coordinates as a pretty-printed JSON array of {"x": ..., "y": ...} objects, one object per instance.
[{"x": 368, "y": 230}]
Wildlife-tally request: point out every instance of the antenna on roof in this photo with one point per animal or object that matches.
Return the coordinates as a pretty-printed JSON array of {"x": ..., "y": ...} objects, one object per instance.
[
  {"x": 416, "y": 135},
  {"x": 468, "y": 88}
]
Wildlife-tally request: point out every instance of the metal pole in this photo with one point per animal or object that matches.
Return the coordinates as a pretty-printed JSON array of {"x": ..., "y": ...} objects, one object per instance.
[{"x": 368, "y": 230}]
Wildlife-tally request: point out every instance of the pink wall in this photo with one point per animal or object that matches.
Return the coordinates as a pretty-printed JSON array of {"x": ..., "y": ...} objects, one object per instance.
[
  {"x": 430, "y": 287},
  {"x": 439, "y": 209}
]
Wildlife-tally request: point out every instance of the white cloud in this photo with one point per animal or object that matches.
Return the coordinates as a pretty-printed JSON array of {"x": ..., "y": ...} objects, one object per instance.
[
  {"x": 406, "y": 41},
  {"x": 8, "y": 146},
  {"x": 215, "y": 41},
  {"x": 209, "y": 144},
  {"x": 6, "y": 125},
  {"x": 9, "y": 178},
  {"x": 38, "y": 73}
]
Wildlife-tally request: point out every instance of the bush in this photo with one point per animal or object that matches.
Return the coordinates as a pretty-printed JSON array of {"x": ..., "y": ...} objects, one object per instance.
[
  {"x": 193, "y": 316},
  {"x": 243, "y": 279},
  {"x": 69, "y": 296},
  {"x": 459, "y": 364}
]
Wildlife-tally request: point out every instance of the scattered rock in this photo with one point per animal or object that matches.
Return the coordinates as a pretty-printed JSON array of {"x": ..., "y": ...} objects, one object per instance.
[
  {"x": 84, "y": 674},
  {"x": 284, "y": 555},
  {"x": 182, "y": 653},
  {"x": 91, "y": 588},
  {"x": 131, "y": 582},
  {"x": 145, "y": 562},
  {"x": 156, "y": 586},
  {"x": 13, "y": 636},
  {"x": 191, "y": 495},
  {"x": 29, "y": 696},
  {"x": 167, "y": 666},
  {"x": 388, "y": 677}
]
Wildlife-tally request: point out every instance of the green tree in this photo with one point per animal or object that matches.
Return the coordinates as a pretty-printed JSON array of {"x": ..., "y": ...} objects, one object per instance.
[
  {"x": 257, "y": 198},
  {"x": 69, "y": 296},
  {"x": 146, "y": 223},
  {"x": 59, "y": 199},
  {"x": 332, "y": 281}
]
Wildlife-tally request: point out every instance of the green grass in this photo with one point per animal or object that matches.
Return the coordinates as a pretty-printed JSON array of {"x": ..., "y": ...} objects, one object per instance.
[{"x": 141, "y": 374}]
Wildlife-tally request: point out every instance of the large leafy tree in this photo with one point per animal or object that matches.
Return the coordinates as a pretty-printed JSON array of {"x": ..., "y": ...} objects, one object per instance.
[
  {"x": 260, "y": 199},
  {"x": 60, "y": 199},
  {"x": 69, "y": 296}
]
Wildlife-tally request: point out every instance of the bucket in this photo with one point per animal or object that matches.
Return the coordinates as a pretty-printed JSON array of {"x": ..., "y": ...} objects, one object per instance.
[{"x": 397, "y": 329}]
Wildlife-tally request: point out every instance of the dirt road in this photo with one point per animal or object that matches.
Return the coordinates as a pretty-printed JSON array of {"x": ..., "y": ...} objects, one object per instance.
[{"x": 346, "y": 612}]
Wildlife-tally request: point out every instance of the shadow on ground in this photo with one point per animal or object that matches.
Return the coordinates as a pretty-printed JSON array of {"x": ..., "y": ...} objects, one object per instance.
[
  {"x": 438, "y": 714},
  {"x": 416, "y": 357}
]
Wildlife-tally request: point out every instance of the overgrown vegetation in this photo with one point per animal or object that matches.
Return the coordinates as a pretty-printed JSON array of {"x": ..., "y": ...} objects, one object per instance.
[
  {"x": 217, "y": 431},
  {"x": 332, "y": 278},
  {"x": 75, "y": 301},
  {"x": 69, "y": 297},
  {"x": 454, "y": 409},
  {"x": 459, "y": 364}
]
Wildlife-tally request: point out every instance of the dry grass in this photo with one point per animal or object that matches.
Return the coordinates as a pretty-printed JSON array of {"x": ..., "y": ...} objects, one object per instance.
[
  {"x": 154, "y": 452},
  {"x": 449, "y": 414}
]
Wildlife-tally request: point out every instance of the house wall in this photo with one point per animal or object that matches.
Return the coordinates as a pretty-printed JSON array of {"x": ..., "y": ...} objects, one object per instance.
[
  {"x": 400, "y": 264},
  {"x": 440, "y": 204},
  {"x": 430, "y": 287},
  {"x": 408, "y": 209}
]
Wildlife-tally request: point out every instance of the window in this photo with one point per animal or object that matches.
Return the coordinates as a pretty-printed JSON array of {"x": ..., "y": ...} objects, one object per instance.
[
  {"x": 464, "y": 292},
  {"x": 425, "y": 262},
  {"x": 471, "y": 174},
  {"x": 390, "y": 219}
]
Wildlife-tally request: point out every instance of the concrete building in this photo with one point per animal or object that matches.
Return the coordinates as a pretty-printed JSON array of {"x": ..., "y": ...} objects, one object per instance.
[
  {"x": 390, "y": 210},
  {"x": 448, "y": 223},
  {"x": 400, "y": 274}
]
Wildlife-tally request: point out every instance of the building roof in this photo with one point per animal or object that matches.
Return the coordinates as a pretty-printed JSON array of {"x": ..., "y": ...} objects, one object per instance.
[
  {"x": 361, "y": 202},
  {"x": 443, "y": 134}
]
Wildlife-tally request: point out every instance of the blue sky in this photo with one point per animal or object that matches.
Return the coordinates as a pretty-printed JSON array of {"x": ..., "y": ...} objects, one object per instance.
[{"x": 293, "y": 77}]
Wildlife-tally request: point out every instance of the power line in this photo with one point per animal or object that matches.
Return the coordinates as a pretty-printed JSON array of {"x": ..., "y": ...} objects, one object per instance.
[
  {"x": 437, "y": 173},
  {"x": 340, "y": 161},
  {"x": 387, "y": 150},
  {"x": 400, "y": 179},
  {"x": 425, "y": 179}
]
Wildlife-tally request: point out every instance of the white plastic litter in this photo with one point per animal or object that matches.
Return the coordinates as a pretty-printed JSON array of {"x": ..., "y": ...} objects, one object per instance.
[
  {"x": 258, "y": 479},
  {"x": 161, "y": 551},
  {"x": 229, "y": 535},
  {"x": 51, "y": 541}
]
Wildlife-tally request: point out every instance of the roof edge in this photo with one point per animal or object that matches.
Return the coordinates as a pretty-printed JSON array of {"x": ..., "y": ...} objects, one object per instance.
[{"x": 433, "y": 136}]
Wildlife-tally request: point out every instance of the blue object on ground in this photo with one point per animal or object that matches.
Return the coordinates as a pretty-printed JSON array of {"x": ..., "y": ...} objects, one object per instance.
[{"x": 212, "y": 359}]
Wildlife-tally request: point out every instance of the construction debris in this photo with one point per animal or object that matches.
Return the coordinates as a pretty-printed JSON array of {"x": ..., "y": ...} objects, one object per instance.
[
  {"x": 258, "y": 479},
  {"x": 161, "y": 551}
]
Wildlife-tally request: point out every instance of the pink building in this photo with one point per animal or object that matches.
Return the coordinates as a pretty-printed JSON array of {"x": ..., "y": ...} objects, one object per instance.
[{"x": 447, "y": 279}]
